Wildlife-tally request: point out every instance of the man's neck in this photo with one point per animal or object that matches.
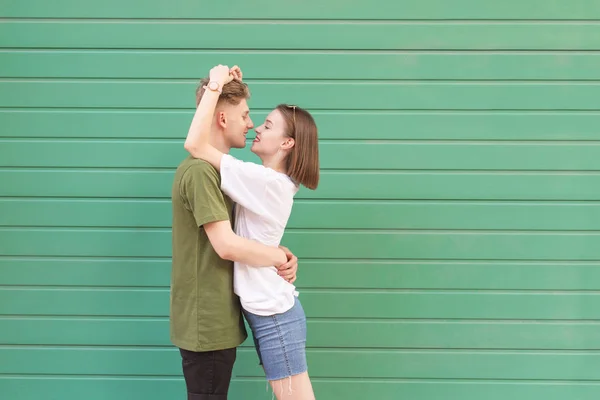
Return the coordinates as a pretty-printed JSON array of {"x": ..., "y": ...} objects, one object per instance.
[{"x": 217, "y": 140}]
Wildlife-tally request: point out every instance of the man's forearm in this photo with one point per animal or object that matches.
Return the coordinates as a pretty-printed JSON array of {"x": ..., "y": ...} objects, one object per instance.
[
  {"x": 253, "y": 253},
  {"x": 230, "y": 246}
]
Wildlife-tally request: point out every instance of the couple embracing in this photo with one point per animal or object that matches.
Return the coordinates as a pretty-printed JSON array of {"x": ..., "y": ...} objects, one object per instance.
[{"x": 228, "y": 220}]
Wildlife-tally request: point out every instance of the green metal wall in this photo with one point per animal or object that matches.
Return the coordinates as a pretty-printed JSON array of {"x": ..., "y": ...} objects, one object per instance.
[{"x": 451, "y": 252}]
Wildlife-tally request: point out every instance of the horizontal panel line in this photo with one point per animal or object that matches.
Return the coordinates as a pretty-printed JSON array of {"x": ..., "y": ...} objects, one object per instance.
[
  {"x": 352, "y": 320},
  {"x": 332, "y": 170},
  {"x": 84, "y": 168},
  {"x": 417, "y": 290},
  {"x": 492, "y": 259},
  {"x": 93, "y": 226},
  {"x": 27, "y": 346},
  {"x": 84, "y": 288},
  {"x": 449, "y": 231},
  {"x": 370, "y": 171},
  {"x": 423, "y": 202},
  {"x": 313, "y": 109},
  {"x": 85, "y": 315},
  {"x": 510, "y": 232},
  {"x": 111, "y": 110},
  {"x": 325, "y": 110},
  {"x": 391, "y": 319},
  {"x": 315, "y": 21},
  {"x": 67, "y": 257},
  {"x": 250, "y": 347},
  {"x": 439, "y": 380},
  {"x": 551, "y": 111},
  {"x": 301, "y": 81},
  {"x": 458, "y": 141},
  {"x": 307, "y": 49},
  {"x": 90, "y": 376},
  {"x": 366, "y": 171},
  {"x": 378, "y": 261},
  {"x": 353, "y": 141},
  {"x": 444, "y": 231},
  {"x": 91, "y": 288},
  {"x": 403, "y": 171},
  {"x": 586, "y": 352},
  {"x": 453, "y": 171},
  {"x": 447, "y": 291},
  {"x": 383, "y": 261},
  {"x": 374, "y": 260},
  {"x": 246, "y": 378},
  {"x": 362, "y": 81},
  {"x": 422, "y": 112},
  {"x": 310, "y": 289},
  {"x": 511, "y": 350},
  {"x": 86, "y": 198},
  {"x": 46, "y": 108},
  {"x": 291, "y": 51},
  {"x": 88, "y": 229},
  {"x": 74, "y": 317},
  {"x": 137, "y": 228},
  {"x": 456, "y": 321},
  {"x": 413, "y": 199},
  {"x": 321, "y": 290}
]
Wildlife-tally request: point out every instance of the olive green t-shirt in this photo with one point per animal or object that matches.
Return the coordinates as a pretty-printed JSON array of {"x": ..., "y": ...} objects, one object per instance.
[{"x": 205, "y": 312}]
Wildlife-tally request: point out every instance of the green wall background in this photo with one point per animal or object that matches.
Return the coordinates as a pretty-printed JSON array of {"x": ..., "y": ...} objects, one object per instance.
[{"x": 451, "y": 252}]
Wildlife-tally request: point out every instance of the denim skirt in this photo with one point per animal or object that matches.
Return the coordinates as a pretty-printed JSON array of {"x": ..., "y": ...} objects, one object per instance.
[{"x": 280, "y": 341}]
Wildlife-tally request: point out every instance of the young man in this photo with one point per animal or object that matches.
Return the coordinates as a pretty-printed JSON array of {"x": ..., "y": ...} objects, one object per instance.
[{"x": 206, "y": 319}]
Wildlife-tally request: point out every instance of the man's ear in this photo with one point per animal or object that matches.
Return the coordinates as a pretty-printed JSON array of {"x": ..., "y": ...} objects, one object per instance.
[
  {"x": 288, "y": 143},
  {"x": 221, "y": 119}
]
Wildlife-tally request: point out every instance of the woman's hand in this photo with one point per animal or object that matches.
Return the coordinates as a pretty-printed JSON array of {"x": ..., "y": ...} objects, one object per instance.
[
  {"x": 223, "y": 74},
  {"x": 236, "y": 72}
]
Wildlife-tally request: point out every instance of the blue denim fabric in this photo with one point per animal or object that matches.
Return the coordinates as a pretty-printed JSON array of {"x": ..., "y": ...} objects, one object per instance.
[{"x": 280, "y": 341}]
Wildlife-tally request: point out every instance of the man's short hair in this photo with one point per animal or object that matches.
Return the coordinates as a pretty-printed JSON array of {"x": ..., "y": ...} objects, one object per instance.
[{"x": 233, "y": 92}]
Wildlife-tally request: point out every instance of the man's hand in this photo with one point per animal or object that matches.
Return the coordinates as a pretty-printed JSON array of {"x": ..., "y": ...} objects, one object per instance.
[{"x": 288, "y": 270}]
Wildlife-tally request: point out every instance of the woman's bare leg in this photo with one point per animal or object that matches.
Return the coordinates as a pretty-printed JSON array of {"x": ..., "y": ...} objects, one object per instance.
[{"x": 297, "y": 387}]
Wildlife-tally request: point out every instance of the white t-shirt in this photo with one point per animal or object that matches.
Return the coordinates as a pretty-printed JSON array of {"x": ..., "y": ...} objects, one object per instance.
[{"x": 264, "y": 200}]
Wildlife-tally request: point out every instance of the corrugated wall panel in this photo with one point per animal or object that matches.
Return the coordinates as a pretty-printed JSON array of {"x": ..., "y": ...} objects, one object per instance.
[
  {"x": 460, "y": 147},
  {"x": 312, "y": 9}
]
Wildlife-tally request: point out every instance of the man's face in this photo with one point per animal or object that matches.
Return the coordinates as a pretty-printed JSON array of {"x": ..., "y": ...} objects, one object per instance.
[{"x": 238, "y": 124}]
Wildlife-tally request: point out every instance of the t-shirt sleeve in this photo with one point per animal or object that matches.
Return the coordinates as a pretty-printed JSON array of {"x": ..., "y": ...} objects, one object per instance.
[
  {"x": 246, "y": 183},
  {"x": 201, "y": 192}
]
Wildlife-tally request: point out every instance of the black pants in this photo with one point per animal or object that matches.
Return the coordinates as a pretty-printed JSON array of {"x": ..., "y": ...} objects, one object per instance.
[{"x": 207, "y": 374}]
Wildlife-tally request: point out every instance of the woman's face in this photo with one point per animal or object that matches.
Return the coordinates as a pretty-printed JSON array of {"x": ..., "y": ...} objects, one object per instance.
[{"x": 270, "y": 136}]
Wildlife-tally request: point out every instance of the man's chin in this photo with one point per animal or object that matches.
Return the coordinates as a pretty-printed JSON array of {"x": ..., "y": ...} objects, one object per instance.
[{"x": 239, "y": 145}]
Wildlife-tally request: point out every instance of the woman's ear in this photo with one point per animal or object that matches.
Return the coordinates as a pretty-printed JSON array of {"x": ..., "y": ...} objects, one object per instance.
[{"x": 288, "y": 143}]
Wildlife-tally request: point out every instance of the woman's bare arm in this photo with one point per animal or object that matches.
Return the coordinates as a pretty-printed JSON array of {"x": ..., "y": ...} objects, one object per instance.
[{"x": 197, "y": 142}]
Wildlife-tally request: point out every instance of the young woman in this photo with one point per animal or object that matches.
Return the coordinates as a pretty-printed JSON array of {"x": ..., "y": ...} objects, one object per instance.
[{"x": 287, "y": 145}]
